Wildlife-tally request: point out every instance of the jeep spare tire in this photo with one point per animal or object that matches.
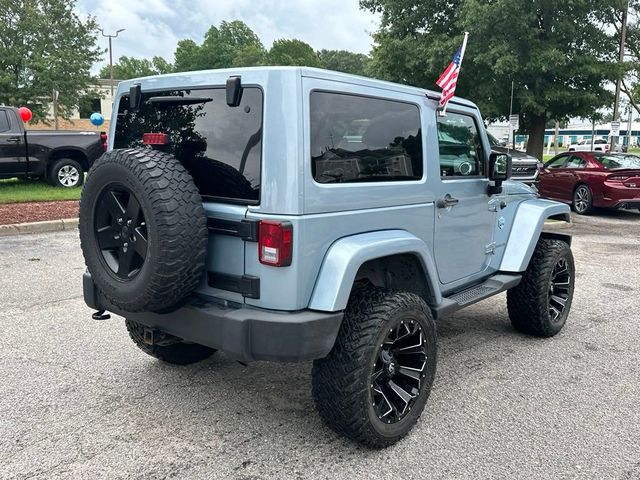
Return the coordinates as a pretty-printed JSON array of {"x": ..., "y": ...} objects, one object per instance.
[{"x": 143, "y": 230}]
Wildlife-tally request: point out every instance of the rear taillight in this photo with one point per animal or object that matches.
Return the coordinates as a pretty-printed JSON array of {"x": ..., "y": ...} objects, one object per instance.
[
  {"x": 275, "y": 243},
  {"x": 103, "y": 141},
  {"x": 155, "y": 138},
  {"x": 618, "y": 178}
]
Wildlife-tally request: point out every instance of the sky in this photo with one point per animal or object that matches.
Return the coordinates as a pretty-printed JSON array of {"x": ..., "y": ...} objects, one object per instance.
[{"x": 153, "y": 27}]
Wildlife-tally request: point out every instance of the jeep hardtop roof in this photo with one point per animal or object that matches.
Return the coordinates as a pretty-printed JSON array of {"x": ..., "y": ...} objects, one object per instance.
[{"x": 204, "y": 78}]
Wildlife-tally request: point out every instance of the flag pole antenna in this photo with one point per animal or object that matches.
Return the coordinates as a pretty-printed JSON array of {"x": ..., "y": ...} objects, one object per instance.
[{"x": 443, "y": 109}]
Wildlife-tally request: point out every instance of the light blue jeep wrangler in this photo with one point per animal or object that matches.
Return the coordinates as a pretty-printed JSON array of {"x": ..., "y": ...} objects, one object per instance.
[{"x": 297, "y": 214}]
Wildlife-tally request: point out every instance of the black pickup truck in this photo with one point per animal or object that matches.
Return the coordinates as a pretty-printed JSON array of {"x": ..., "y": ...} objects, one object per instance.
[{"x": 60, "y": 157}]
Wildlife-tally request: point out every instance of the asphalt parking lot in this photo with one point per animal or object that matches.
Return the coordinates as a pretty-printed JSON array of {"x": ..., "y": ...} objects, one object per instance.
[{"x": 78, "y": 399}]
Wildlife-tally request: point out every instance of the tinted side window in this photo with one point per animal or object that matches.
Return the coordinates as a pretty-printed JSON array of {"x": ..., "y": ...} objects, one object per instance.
[
  {"x": 461, "y": 151},
  {"x": 220, "y": 146},
  {"x": 557, "y": 162},
  {"x": 4, "y": 122},
  {"x": 575, "y": 162},
  {"x": 363, "y": 139}
]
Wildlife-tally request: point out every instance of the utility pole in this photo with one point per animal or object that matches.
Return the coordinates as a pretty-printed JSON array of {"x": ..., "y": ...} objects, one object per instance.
[
  {"x": 111, "y": 55},
  {"x": 629, "y": 126},
  {"x": 512, "y": 136},
  {"x": 616, "y": 103},
  {"x": 54, "y": 97}
]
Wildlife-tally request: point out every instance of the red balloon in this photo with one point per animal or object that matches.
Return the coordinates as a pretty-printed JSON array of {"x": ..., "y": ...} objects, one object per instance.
[{"x": 25, "y": 114}]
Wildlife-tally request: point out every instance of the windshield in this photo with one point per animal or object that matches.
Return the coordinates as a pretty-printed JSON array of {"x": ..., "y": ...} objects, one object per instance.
[
  {"x": 493, "y": 141},
  {"x": 613, "y": 162}
]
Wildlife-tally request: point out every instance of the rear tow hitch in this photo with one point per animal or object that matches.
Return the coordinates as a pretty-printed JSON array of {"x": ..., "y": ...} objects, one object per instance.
[
  {"x": 158, "y": 337},
  {"x": 100, "y": 315}
]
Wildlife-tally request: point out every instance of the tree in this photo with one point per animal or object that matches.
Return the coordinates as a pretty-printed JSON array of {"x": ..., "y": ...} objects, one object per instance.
[
  {"x": 130, "y": 67},
  {"x": 292, "y": 52},
  {"x": 233, "y": 44},
  {"x": 559, "y": 55},
  {"x": 45, "y": 46},
  {"x": 187, "y": 56},
  {"x": 344, "y": 61}
]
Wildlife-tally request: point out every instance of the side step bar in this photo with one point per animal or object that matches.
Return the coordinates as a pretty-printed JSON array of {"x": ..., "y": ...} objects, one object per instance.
[{"x": 490, "y": 287}]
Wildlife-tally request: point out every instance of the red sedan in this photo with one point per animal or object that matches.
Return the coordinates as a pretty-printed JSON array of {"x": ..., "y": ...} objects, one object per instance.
[{"x": 592, "y": 179}]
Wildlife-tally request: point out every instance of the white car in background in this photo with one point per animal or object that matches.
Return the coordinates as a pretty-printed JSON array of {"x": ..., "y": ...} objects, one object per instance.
[{"x": 585, "y": 146}]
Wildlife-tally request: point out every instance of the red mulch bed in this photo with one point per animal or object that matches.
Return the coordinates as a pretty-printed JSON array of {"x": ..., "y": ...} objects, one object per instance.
[{"x": 37, "y": 211}]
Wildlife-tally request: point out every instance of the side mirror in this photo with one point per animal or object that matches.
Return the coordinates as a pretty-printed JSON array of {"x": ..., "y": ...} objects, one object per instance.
[
  {"x": 499, "y": 167},
  {"x": 234, "y": 91},
  {"x": 499, "y": 170}
]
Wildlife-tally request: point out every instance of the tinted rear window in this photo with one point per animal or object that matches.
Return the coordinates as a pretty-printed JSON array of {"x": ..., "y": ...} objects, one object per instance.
[
  {"x": 4, "y": 121},
  {"x": 364, "y": 139},
  {"x": 221, "y": 146}
]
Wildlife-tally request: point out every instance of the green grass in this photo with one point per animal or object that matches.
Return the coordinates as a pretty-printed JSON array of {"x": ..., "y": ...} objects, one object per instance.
[{"x": 20, "y": 191}]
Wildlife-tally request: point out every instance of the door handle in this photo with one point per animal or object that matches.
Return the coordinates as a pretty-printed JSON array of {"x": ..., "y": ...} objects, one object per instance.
[
  {"x": 13, "y": 139},
  {"x": 447, "y": 201}
]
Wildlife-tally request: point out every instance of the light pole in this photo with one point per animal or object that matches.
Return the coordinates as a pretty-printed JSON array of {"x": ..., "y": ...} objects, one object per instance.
[{"x": 111, "y": 55}]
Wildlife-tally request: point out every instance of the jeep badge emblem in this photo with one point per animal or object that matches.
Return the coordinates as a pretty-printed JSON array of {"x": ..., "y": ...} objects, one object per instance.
[{"x": 501, "y": 222}]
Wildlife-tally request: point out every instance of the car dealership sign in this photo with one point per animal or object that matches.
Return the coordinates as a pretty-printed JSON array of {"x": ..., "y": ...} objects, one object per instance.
[{"x": 615, "y": 129}]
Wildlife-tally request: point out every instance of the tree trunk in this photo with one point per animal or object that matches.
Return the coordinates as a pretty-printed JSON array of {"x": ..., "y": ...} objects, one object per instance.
[{"x": 535, "y": 145}]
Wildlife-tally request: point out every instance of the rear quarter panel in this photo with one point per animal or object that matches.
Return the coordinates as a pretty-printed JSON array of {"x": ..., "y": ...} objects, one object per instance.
[
  {"x": 42, "y": 144},
  {"x": 290, "y": 288},
  {"x": 329, "y": 212}
]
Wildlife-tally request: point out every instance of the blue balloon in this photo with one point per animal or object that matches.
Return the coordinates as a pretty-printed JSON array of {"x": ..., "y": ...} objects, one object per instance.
[{"x": 97, "y": 119}]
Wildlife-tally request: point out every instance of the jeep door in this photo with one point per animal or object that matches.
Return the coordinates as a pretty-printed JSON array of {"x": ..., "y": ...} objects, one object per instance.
[{"x": 464, "y": 220}]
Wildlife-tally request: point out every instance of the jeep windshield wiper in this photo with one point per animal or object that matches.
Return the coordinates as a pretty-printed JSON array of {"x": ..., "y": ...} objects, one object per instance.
[{"x": 173, "y": 100}]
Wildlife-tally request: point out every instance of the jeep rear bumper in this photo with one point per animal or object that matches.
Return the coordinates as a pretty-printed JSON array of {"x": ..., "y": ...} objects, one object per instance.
[{"x": 245, "y": 334}]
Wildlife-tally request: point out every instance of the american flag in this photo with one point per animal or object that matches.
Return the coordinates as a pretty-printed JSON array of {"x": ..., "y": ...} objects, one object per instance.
[{"x": 449, "y": 78}]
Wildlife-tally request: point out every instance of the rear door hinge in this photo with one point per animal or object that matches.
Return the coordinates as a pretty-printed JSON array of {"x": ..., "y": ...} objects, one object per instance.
[{"x": 246, "y": 229}]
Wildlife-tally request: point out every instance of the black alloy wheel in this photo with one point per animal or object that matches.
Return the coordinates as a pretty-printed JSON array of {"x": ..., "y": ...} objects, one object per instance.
[
  {"x": 374, "y": 384},
  {"x": 559, "y": 289},
  {"x": 540, "y": 304},
  {"x": 143, "y": 230},
  {"x": 398, "y": 371},
  {"x": 121, "y": 231}
]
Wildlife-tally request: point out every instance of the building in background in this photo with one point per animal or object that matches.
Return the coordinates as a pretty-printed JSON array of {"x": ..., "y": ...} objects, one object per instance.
[
  {"x": 98, "y": 101},
  {"x": 572, "y": 133},
  {"x": 577, "y": 132}
]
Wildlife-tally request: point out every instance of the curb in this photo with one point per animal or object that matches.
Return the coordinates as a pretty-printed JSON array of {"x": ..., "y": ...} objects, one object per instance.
[{"x": 39, "y": 227}]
